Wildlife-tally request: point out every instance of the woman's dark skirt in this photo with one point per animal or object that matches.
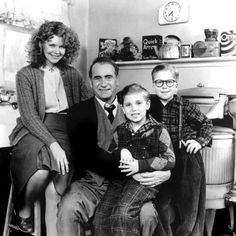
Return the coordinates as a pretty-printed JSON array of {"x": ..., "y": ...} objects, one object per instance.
[{"x": 31, "y": 154}]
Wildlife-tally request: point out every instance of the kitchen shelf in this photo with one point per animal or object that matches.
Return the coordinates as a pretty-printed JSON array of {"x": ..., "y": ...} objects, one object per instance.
[
  {"x": 210, "y": 71},
  {"x": 181, "y": 62}
]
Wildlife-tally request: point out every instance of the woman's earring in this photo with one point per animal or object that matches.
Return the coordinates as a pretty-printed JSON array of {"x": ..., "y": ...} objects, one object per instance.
[{"x": 40, "y": 50}]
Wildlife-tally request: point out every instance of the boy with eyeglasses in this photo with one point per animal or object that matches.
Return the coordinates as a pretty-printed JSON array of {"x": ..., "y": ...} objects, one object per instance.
[{"x": 187, "y": 126}]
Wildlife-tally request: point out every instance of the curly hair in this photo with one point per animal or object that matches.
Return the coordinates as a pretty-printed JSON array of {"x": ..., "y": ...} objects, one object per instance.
[{"x": 46, "y": 31}]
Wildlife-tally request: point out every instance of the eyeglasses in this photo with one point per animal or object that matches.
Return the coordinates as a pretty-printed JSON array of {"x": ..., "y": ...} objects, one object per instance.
[{"x": 160, "y": 83}]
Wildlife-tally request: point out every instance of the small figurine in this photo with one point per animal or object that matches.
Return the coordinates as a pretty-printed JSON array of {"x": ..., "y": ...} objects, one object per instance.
[
  {"x": 128, "y": 51},
  {"x": 108, "y": 48}
]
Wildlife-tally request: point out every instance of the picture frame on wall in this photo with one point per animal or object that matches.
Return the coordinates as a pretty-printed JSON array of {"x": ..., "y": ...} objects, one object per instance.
[{"x": 185, "y": 51}]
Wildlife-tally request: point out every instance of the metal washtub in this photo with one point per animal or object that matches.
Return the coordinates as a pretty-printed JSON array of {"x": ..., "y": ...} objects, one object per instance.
[{"x": 219, "y": 166}]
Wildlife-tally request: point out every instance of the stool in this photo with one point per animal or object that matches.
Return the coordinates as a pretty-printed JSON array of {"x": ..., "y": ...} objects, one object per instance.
[{"x": 10, "y": 210}]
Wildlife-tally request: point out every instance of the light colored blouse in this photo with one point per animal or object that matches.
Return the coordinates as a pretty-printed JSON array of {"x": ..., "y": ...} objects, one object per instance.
[
  {"x": 31, "y": 100},
  {"x": 55, "y": 96}
]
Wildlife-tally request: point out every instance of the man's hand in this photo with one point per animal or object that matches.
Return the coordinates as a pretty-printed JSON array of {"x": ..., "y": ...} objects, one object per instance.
[
  {"x": 152, "y": 179},
  {"x": 130, "y": 168},
  {"x": 192, "y": 146}
]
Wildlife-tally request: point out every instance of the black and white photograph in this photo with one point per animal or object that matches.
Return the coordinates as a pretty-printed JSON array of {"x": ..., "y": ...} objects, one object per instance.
[{"x": 118, "y": 118}]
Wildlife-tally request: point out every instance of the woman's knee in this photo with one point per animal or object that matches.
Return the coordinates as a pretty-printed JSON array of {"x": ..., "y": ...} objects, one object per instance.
[
  {"x": 61, "y": 183},
  {"x": 39, "y": 179},
  {"x": 40, "y": 175}
]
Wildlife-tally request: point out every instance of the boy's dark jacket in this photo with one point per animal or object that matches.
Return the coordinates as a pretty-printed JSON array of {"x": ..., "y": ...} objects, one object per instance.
[{"x": 186, "y": 188}]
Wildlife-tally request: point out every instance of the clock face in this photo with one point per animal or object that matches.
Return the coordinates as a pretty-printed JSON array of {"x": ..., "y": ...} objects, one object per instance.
[{"x": 172, "y": 11}]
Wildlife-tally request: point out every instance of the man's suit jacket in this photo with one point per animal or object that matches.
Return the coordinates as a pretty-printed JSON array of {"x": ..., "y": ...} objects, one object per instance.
[{"x": 82, "y": 130}]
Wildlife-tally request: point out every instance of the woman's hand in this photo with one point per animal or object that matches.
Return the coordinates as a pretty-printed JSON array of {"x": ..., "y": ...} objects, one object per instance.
[
  {"x": 152, "y": 179},
  {"x": 60, "y": 157}
]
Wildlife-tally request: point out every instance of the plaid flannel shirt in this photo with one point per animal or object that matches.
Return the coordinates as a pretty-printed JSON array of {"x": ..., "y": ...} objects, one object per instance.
[{"x": 195, "y": 124}]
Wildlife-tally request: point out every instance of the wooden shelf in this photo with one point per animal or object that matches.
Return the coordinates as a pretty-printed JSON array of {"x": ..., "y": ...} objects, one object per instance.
[
  {"x": 210, "y": 71},
  {"x": 196, "y": 62}
]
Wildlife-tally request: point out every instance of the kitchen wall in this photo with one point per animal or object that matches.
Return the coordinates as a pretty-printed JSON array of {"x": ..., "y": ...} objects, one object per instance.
[
  {"x": 135, "y": 18},
  {"x": 94, "y": 19},
  {"x": 79, "y": 17}
]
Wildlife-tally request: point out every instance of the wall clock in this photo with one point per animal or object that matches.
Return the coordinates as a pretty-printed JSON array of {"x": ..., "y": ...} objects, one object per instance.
[{"x": 172, "y": 12}]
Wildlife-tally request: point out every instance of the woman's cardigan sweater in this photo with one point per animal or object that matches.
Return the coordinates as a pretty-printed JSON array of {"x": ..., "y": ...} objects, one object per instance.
[{"x": 31, "y": 101}]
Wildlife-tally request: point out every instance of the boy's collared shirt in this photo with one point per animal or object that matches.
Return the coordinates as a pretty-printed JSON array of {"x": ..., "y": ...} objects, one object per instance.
[{"x": 150, "y": 122}]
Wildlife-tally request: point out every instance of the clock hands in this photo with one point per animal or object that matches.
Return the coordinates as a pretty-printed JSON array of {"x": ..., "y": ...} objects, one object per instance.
[{"x": 171, "y": 15}]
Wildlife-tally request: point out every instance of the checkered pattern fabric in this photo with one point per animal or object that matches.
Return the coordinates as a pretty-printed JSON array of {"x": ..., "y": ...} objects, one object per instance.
[
  {"x": 151, "y": 145},
  {"x": 195, "y": 124},
  {"x": 118, "y": 211}
]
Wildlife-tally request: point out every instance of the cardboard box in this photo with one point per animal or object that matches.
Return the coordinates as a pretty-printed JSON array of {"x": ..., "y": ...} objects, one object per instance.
[
  {"x": 150, "y": 46},
  {"x": 228, "y": 43}
]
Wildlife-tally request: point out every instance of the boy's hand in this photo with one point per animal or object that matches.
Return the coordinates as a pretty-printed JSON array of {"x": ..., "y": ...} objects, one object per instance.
[
  {"x": 192, "y": 146},
  {"x": 125, "y": 156},
  {"x": 130, "y": 168}
]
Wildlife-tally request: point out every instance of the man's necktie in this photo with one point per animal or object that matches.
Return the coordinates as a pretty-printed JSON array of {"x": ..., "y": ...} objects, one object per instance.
[{"x": 109, "y": 109}]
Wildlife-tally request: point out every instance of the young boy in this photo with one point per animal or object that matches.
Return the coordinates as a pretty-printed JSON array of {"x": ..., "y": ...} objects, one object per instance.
[
  {"x": 145, "y": 145},
  {"x": 193, "y": 132}
]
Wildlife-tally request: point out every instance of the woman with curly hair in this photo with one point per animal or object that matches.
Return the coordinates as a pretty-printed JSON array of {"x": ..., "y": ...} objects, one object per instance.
[{"x": 46, "y": 88}]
